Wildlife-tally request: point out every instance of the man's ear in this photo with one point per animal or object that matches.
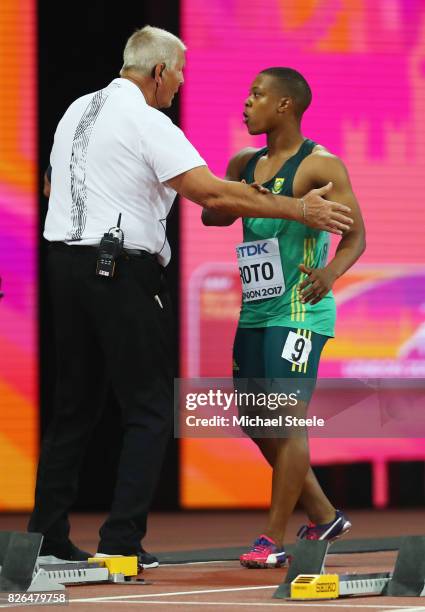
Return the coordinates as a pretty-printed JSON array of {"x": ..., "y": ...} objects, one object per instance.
[
  {"x": 285, "y": 104},
  {"x": 157, "y": 71}
]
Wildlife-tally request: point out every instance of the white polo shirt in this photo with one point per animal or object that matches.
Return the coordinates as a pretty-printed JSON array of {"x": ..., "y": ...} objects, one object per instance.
[{"x": 113, "y": 153}]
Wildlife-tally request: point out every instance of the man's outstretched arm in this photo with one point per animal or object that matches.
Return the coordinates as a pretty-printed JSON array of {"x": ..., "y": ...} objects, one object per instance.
[
  {"x": 241, "y": 200},
  {"x": 233, "y": 173}
]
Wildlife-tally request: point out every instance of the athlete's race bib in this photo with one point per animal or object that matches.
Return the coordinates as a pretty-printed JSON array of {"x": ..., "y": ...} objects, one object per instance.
[
  {"x": 260, "y": 269},
  {"x": 297, "y": 348}
]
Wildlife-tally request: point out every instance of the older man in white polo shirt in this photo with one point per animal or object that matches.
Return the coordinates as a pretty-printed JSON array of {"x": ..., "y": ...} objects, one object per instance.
[{"x": 115, "y": 153}]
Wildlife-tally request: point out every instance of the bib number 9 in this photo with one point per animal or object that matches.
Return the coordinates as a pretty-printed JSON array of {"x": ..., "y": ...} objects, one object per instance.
[{"x": 297, "y": 348}]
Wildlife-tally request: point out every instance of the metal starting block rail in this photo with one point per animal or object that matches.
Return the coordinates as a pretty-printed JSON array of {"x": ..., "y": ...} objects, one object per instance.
[
  {"x": 117, "y": 569},
  {"x": 407, "y": 580},
  {"x": 22, "y": 570},
  {"x": 332, "y": 586}
]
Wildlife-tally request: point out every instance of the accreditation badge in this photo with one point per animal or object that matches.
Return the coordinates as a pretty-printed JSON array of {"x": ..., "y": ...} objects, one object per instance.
[{"x": 260, "y": 269}]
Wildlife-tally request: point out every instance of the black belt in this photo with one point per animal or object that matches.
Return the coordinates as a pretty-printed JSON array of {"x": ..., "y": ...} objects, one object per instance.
[{"x": 63, "y": 246}]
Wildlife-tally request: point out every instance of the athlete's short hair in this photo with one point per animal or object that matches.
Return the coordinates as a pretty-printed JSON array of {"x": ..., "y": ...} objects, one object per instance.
[
  {"x": 150, "y": 46},
  {"x": 292, "y": 83}
]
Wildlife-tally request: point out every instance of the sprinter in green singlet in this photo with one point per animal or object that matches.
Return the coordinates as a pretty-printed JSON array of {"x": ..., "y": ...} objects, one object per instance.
[{"x": 288, "y": 309}]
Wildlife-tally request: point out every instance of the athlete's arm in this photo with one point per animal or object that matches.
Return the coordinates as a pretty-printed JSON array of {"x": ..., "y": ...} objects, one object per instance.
[
  {"x": 241, "y": 200},
  {"x": 353, "y": 242}
]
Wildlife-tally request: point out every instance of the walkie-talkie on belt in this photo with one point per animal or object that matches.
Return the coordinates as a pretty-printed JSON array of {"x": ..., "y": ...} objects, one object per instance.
[{"x": 110, "y": 248}]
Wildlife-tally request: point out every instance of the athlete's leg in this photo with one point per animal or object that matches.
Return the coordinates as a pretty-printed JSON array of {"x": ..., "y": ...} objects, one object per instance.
[
  {"x": 268, "y": 448},
  {"x": 314, "y": 501},
  {"x": 248, "y": 363},
  {"x": 289, "y": 472},
  {"x": 248, "y": 353},
  {"x": 285, "y": 456},
  {"x": 293, "y": 477}
]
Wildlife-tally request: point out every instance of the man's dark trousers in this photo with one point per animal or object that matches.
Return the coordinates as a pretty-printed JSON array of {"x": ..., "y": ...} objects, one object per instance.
[{"x": 118, "y": 330}]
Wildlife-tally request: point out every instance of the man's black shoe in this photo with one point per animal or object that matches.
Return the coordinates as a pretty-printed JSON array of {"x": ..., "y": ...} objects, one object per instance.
[
  {"x": 144, "y": 559},
  {"x": 66, "y": 551}
]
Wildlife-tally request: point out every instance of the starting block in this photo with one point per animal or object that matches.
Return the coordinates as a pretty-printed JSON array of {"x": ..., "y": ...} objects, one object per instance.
[
  {"x": 120, "y": 568},
  {"x": 308, "y": 559},
  {"x": 332, "y": 586},
  {"x": 22, "y": 570},
  {"x": 408, "y": 578},
  {"x": 315, "y": 586}
]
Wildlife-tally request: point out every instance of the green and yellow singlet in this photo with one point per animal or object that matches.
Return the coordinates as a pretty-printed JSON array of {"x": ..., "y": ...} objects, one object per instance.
[{"x": 269, "y": 257}]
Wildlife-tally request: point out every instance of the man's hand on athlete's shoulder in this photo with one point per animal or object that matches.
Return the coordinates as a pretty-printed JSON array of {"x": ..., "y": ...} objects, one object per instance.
[
  {"x": 327, "y": 206},
  {"x": 318, "y": 213},
  {"x": 226, "y": 200},
  {"x": 312, "y": 210}
]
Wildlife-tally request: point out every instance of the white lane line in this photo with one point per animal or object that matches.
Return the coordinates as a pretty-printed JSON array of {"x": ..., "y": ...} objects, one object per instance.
[
  {"x": 149, "y": 598},
  {"x": 409, "y": 609},
  {"x": 151, "y": 595},
  {"x": 327, "y": 604},
  {"x": 195, "y": 563}
]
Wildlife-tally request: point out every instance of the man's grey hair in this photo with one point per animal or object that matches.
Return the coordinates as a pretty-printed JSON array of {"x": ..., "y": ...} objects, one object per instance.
[{"x": 150, "y": 46}]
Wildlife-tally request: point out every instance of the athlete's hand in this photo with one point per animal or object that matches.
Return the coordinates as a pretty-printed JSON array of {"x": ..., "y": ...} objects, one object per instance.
[
  {"x": 318, "y": 283},
  {"x": 324, "y": 214},
  {"x": 257, "y": 187}
]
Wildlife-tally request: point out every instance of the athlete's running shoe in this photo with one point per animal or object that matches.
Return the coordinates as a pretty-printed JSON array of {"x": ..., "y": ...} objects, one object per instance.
[
  {"x": 264, "y": 553},
  {"x": 327, "y": 531}
]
